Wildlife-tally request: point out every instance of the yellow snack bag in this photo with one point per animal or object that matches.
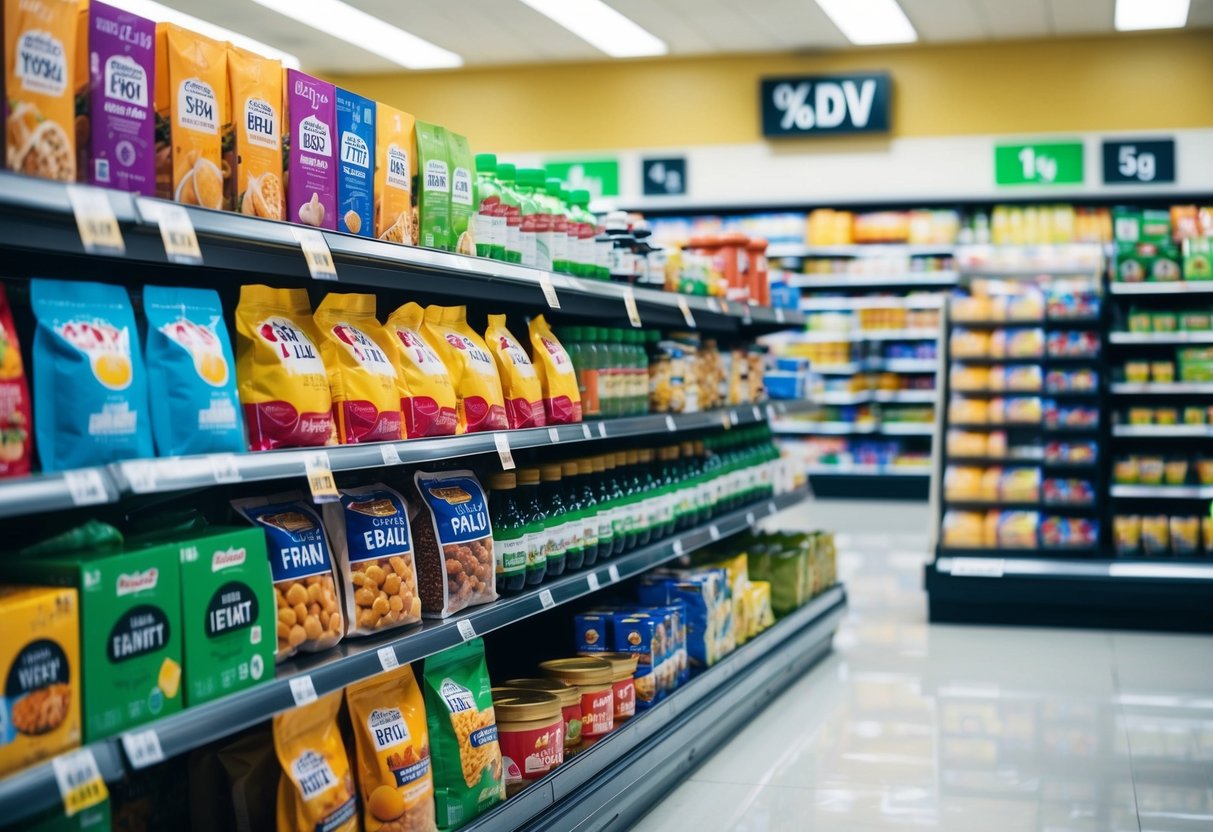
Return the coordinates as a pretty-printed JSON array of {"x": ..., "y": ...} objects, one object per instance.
[
  {"x": 366, "y": 402},
  {"x": 427, "y": 398},
  {"x": 191, "y": 110},
  {"x": 255, "y": 93},
  {"x": 395, "y": 167},
  {"x": 519, "y": 381},
  {"x": 284, "y": 389},
  {"x": 39, "y": 53},
  {"x": 316, "y": 790},
  {"x": 393, "y": 752},
  {"x": 557, "y": 378},
  {"x": 479, "y": 403}
]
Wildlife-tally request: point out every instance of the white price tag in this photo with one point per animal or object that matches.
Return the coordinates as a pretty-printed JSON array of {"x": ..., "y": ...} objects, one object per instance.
[
  {"x": 503, "y": 451},
  {"x": 390, "y": 455},
  {"x": 782, "y": 407},
  {"x": 978, "y": 567},
  {"x": 602, "y": 429},
  {"x": 770, "y": 413},
  {"x": 669, "y": 423},
  {"x": 466, "y": 631},
  {"x": 772, "y": 508},
  {"x": 139, "y": 475},
  {"x": 79, "y": 780},
  {"x": 320, "y": 478},
  {"x": 724, "y": 420},
  {"x": 549, "y": 291},
  {"x": 747, "y": 317},
  {"x": 749, "y": 518},
  {"x": 585, "y": 431},
  {"x": 733, "y": 418},
  {"x": 176, "y": 231},
  {"x": 95, "y": 220},
  {"x": 629, "y": 302},
  {"x": 225, "y": 469},
  {"x": 724, "y": 307},
  {"x": 685, "y": 308},
  {"x": 554, "y": 436},
  {"x": 714, "y": 305},
  {"x": 87, "y": 486},
  {"x": 678, "y": 546},
  {"x": 546, "y": 599},
  {"x": 316, "y": 252},
  {"x": 613, "y": 571},
  {"x": 143, "y": 748},
  {"x": 592, "y": 580},
  {"x": 387, "y": 658},
  {"x": 780, "y": 316},
  {"x": 303, "y": 690},
  {"x": 757, "y": 413},
  {"x": 714, "y": 532}
]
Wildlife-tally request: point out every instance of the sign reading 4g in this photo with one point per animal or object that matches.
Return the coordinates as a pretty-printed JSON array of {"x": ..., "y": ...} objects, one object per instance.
[
  {"x": 665, "y": 177},
  {"x": 1056, "y": 163},
  {"x": 811, "y": 105}
]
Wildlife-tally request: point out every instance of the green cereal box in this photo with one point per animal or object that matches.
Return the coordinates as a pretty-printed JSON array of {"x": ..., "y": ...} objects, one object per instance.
[
  {"x": 463, "y": 193},
  {"x": 434, "y": 187}
]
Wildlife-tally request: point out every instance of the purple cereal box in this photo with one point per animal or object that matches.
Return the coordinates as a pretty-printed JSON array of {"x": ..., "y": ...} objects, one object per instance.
[
  {"x": 121, "y": 122},
  {"x": 311, "y": 185}
]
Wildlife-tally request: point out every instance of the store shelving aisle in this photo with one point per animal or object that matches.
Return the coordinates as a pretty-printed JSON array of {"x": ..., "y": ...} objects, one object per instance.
[{"x": 962, "y": 728}]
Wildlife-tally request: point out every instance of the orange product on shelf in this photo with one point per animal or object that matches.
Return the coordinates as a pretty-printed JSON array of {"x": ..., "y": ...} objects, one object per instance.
[
  {"x": 732, "y": 254},
  {"x": 756, "y": 271}
]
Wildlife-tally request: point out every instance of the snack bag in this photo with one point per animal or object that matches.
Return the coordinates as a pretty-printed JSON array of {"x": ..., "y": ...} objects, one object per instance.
[
  {"x": 393, "y": 748},
  {"x": 519, "y": 382},
  {"x": 316, "y": 790},
  {"x": 557, "y": 377},
  {"x": 369, "y": 532},
  {"x": 395, "y": 169},
  {"x": 463, "y": 193},
  {"x": 311, "y": 179},
  {"x": 15, "y": 445},
  {"x": 366, "y": 403},
  {"x": 39, "y": 52},
  {"x": 454, "y": 543},
  {"x": 255, "y": 134},
  {"x": 427, "y": 398},
  {"x": 434, "y": 187},
  {"x": 90, "y": 387},
  {"x": 480, "y": 404},
  {"x": 189, "y": 362},
  {"x": 191, "y": 109},
  {"x": 463, "y": 734},
  {"x": 356, "y": 170},
  {"x": 309, "y": 618},
  {"x": 284, "y": 388},
  {"x": 115, "y": 119}
]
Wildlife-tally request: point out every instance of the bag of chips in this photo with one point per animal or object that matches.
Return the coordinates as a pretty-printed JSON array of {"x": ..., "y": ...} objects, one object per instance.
[
  {"x": 427, "y": 398},
  {"x": 519, "y": 382},
  {"x": 284, "y": 389},
  {"x": 309, "y": 617},
  {"x": 316, "y": 791},
  {"x": 393, "y": 752},
  {"x": 561, "y": 396},
  {"x": 90, "y": 386},
  {"x": 454, "y": 543},
  {"x": 468, "y": 777},
  {"x": 369, "y": 529},
  {"x": 362, "y": 379},
  {"x": 15, "y": 445},
  {"x": 480, "y": 404},
  {"x": 190, "y": 364}
]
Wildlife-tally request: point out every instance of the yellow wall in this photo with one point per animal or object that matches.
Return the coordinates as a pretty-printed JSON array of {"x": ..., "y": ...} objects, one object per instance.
[{"x": 1126, "y": 82}]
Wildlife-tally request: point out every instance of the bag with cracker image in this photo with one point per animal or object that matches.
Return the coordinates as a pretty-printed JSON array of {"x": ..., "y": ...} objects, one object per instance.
[
  {"x": 255, "y": 134},
  {"x": 427, "y": 397},
  {"x": 40, "y": 76},
  {"x": 191, "y": 110},
  {"x": 316, "y": 790},
  {"x": 395, "y": 169},
  {"x": 468, "y": 779}
]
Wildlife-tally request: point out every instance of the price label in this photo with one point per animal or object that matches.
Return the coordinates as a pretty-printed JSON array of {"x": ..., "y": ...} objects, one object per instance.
[
  {"x": 602, "y": 432},
  {"x": 79, "y": 780},
  {"x": 143, "y": 748},
  {"x": 225, "y": 469},
  {"x": 678, "y": 546},
  {"x": 592, "y": 580},
  {"x": 749, "y": 518},
  {"x": 466, "y": 631},
  {"x": 770, "y": 412},
  {"x": 503, "y": 451},
  {"x": 95, "y": 220},
  {"x": 176, "y": 231},
  {"x": 320, "y": 478},
  {"x": 316, "y": 252},
  {"x": 629, "y": 302},
  {"x": 387, "y": 658},
  {"x": 669, "y": 423},
  {"x": 140, "y": 476},
  {"x": 585, "y": 431},
  {"x": 613, "y": 571},
  {"x": 685, "y": 308},
  {"x": 734, "y": 418},
  {"x": 390, "y": 455},
  {"x": 780, "y": 316},
  {"x": 714, "y": 305},
  {"x": 978, "y": 567},
  {"x": 724, "y": 307},
  {"x": 772, "y": 508},
  {"x": 747, "y": 317},
  {"x": 724, "y": 420},
  {"x": 757, "y": 413},
  {"x": 549, "y": 291},
  {"x": 546, "y": 599},
  {"x": 714, "y": 532},
  {"x": 554, "y": 436},
  {"x": 87, "y": 486},
  {"x": 303, "y": 690}
]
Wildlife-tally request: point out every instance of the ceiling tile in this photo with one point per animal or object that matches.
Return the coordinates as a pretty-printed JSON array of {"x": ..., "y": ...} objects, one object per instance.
[
  {"x": 1007, "y": 19},
  {"x": 946, "y": 20},
  {"x": 1082, "y": 17},
  {"x": 1200, "y": 14}
]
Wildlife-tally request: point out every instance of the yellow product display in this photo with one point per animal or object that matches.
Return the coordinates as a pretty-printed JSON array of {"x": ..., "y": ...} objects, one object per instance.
[
  {"x": 557, "y": 377},
  {"x": 479, "y": 401},
  {"x": 1017, "y": 343},
  {"x": 968, "y": 411},
  {"x": 962, "y": 483},
  {"x": 255, "y": 90},
  {"x": 41, "y": 126},
  {"x": 395, "y": 168},
  {"x": 967, "y": 443},
  {"x": 964, "y": 530},
  {"x": 969, "y": 379},
  {"x": 519, "y": 379},
  {"x": 1019, "y": 485},
  {"x": 967, "y": 343},
  {"x": 427, "y": 397},
  {"x": 362, "y": 377},
  {"x": 191, "y": 110},
  {"x": 1022, "y": 410},
  {"x": 316, "y": 789},
  {"x": 759, "y": 599}
]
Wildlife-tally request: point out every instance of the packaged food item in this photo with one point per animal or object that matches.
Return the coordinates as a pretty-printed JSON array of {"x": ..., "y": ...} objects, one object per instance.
[
  {"x": 966, "y": 443},
  {"x": 191, "y": 106},
  {"x": 90, "y": 386},
  {"x": 1206, "y": 533},
  {"x": 1068, "y": 533},
  {"x": 1162, "y": 371},
  {"x": 480, "y": 404},
  {"x": 592, "y": 678},
  {"x": 393, "y": 752},
  {"x": 1137, "y": 371},
  {"x": 1150, "y": 470},
  {"x": 434, "y": 187},
  {"x": 1185, "y": 535},
  {"x": 284, "y": 388},
  {"x": 1124, "y": 471},
  {"x": 530, "y": 725},
  {"x": 962, "y": 483},
  {"x": 255, "y": 85},
  {"x": 309, "y": 616},
  {"x": 463, "y": 193},
  {"x": 362, "y": 378},
  {"x": 519, "y": 380},
  {"x": 39, "y": 60},
  {"x": 395, "y": 171},
  {"x": 967, "y": 343},
  {"x": 570, "y": 704},
  {"x": 1155, "y": 535},
  {"x": 356, "y": 127},
  {"x": 40, "y": 657},
  {"x": 1175, "y": 471},
  {"x": 311, "y": 175},
  {"x": 1194, "y": 415},
  {"x": 454, "y": 543},
  {"x": 1017, "y": 529},
  {"x": 557, "y": 375},
  {"x": 15, "y": 445},
  {"x": 190, "y": 364},
  {"x": 316, "y": 790},
  {"x": 623, "y": 685},
  {"x": 1204, "y": 471},
  {"x": 427, "y": 397},
  {"x": 1069, "y": 491},
  {"x": 1126, "y": 533},
  {"x": 459, "y": 711},
  {"x": 369, "y": 530},
  {"x": 1020, "y": 485}
]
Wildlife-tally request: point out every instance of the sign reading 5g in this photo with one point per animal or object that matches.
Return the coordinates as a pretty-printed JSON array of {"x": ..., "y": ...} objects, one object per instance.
[
  {"x": 811, "y": 105},
  {"x": 1138, "y": 162}
]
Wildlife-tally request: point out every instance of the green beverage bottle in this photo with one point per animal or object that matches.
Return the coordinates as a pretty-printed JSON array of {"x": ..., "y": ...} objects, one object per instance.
[
  {"x": 490, "y": 214},
  {"x": 506, "y": 174},
  {"x": 510, "y": 528}
]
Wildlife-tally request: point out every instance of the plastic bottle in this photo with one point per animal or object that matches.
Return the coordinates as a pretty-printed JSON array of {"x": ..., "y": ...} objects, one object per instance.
[
  {"x": 584, "y": 356},
  {"x": 535, "y": 513},
  {"x": 490, "y": 214},
  {"x": 513, "y": 212},
  {"x": 510, "y": 528},
  {"x": 587, "y": 230},
  {"x": 574, "y": 515},
  {"x": 559, "y": 222},
  {"x": 534, "y": 220},
  {"x": 556, "y": 524},
  {"x": 602, "y": 499},
  {"x": 589, "y": 503},
  {"x": 572, "y": 233},
  {"x": 621, "y": 524}
]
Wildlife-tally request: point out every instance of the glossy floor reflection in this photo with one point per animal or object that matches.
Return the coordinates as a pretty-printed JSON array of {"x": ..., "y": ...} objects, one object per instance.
[{"x": 973, "y": 729}]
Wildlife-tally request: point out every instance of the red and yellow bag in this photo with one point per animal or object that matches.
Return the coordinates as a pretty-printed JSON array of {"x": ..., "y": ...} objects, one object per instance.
[
  {"x": 479, "y": 403},
  {"x": 427, "y": 397},
  {"x": 362, "y": 377},
  {"x": 519, "y": 381},
  {"x": 561, "y": 396}
]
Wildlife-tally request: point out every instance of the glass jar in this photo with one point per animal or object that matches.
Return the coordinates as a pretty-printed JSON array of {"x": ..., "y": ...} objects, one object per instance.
[
  {"x": 535, "y": 512},
  {"x": 510, "y": 529},
  {"x": 592, "y": 678},
  {"x": 556, "y": 525},
  {"x": 570, "y": 704},
  {"x": 623, "y": 683},
  {"x": 530, "y": 730}
]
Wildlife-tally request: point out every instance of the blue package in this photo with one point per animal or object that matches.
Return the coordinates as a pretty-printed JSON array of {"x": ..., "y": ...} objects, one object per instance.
[
  {"x": 190, "y": 365},
  {"x": 356, "y": 174},
  {"x": 592, "y": 632},
  {"x": 642, "y": 634},
  {"x": 90, "y": 384}
]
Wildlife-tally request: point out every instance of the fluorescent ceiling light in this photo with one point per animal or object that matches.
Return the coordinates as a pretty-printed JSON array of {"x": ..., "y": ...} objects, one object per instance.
[
  {"x": 601, "y": 27},
  {"x": 869, "y": 22},
  {"x": 1151, "y": 14},
  {"x": 165, "y": 14},
  {"x": 356, "y": 27}
]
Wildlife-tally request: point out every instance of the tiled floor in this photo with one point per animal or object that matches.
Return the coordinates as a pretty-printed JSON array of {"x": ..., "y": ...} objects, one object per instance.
[{"x": 973, "y": 729}]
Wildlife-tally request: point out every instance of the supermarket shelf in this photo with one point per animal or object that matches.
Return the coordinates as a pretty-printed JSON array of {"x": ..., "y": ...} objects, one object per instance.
[
  {"x": 849, "y": 304},
  {"x": 1034, "y": 462},
  {"x": 861, "y": 250},
  {"x": 869, "y": 471},
  {"x": 1048, "y": 270},
  {"x": 34, "y": 789},
  {"x": 783, "y": 426},
  {"x": 849, "y": 368},
  {"x": 1045, "y": 323},
  {"x": 615, "y": 781},
  {"x": 55, "y": 491},
  {"x": 842, "y": 280},
  {"x": 904, "y": 365},
  {"x": 919, "y": 334},
  {"x": 1157, "y": 388},
  {"x": 1178, "y": 287},
  {"x": 858, "y": 335},
  {"x": 1164, "y": 492},
  {"x": 1019, "y": 361},
  {"x": 1018, "y": 505},
  {"x": 1160, "y": 337},
  {"x": 882, "y": 396},
  {"x": 1164, "y": 431},
  {"x": 906, "y": 429}
]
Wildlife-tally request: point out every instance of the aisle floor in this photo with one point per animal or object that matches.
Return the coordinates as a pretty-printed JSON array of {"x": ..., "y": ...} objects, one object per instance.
[{"x": 975, "y": 729}]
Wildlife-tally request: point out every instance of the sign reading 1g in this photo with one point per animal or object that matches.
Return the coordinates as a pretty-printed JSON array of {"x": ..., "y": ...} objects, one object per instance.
[{"x": 1057, "y": 163}]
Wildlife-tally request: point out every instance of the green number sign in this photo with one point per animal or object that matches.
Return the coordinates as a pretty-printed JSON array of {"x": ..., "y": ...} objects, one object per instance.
[
  {"x": 1058, "y": 163},
  {"x": 598, "y": 176}
]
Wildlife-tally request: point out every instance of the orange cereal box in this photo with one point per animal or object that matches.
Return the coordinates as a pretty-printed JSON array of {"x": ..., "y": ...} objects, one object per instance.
[
  {"x": 191, "y": 110},
  {"x": 255, "y": 91},
  {"x": 395, "y": 167},
  {"x": 40, "y": 76}
]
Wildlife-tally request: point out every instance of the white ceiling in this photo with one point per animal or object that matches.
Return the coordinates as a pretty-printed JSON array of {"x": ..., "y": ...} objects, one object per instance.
[{"x": 487, "y": 32}]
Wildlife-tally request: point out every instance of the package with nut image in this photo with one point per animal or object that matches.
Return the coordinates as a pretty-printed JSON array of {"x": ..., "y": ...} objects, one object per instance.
[
  {"x": 255, "y": 134},
  {"x": 395, "y": 170},
  {"x": 454, "y": 543},
  {"x": 433, "y": 187},
  {"x": 356, "y": 120},
  {"x": 463, "y": 193},
  {"x": 39, "y": 74},
  {"x": 311, "y": 170}
]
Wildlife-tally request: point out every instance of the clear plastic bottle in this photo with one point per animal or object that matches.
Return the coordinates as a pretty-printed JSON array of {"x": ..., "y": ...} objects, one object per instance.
[
  {"x": 490, "y": 213},
  {"x": 558, "y": 213},
  {"x": 512, "y": 209},
  {"x": 532, "y": 215}
]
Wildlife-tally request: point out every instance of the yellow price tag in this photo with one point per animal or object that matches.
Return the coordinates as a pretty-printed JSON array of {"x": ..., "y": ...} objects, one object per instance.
[
  {"x": 316, "y": 252},
  {"x": 99, "y": 231},
  {"x": 629, "y": 301},
  {"x": 79, "y": 779},
  {"x": 177, "y": 232},
  {"x": 686, "y": 311},
  {"x": 320, "y": 478}
]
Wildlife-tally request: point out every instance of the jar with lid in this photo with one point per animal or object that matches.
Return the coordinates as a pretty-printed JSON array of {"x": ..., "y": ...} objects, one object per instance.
[
  {"x": 593, "y": 679},
  {"x": 623, "y": 683},
  {"x": 530, "y": 730},
  {"x": 570, "y": 704},
  {"x": 556, "y": 525},
  {"x": 535, "y": 513},
  {"x": 510, "y": 528},
  {"x": 574, "y": 515}
]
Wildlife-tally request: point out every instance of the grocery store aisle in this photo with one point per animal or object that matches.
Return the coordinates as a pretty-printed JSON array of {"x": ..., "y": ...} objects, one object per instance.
[{"x": 962, "y": 728}]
